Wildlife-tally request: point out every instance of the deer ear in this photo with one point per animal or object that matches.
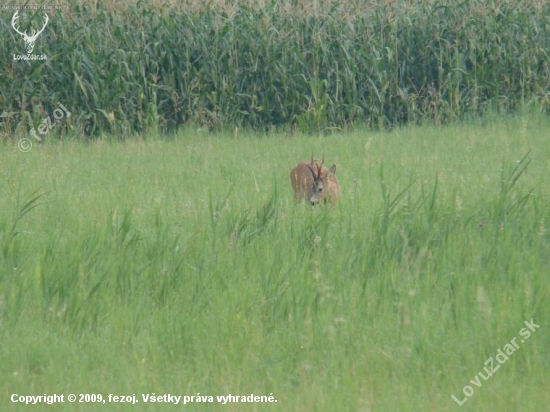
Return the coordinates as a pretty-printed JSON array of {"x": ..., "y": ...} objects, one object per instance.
[{"x": 332, "y": 170}]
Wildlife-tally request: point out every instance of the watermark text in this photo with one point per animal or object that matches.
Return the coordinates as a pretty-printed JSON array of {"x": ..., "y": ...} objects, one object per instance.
[{"x": 501, "y": 357}]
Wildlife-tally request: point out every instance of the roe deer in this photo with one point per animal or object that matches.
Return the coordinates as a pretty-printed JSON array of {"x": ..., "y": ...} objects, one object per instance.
[{"x": 314, "y": 182}]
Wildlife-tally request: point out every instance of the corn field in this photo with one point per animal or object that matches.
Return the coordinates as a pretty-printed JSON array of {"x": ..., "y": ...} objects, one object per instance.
[{"x": 311, "y": 66}]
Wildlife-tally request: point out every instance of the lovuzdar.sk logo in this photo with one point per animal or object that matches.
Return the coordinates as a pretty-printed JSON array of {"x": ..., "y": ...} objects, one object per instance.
[{"x": 29, "y": 39}]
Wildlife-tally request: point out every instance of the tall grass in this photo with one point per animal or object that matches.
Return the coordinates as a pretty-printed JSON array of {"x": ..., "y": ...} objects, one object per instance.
[
  {"x": 311, "y": 66},
  {"x": 185, "y": 267}
]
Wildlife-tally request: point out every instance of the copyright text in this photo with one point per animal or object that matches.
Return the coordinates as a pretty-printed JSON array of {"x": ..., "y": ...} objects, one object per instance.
[{"x": 144, "y": 397}]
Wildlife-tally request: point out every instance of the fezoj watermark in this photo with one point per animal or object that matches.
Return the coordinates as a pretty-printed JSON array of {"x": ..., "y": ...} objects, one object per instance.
[
  {"x": 25, "y": 144},
  {"x": 501, "y": 357}
]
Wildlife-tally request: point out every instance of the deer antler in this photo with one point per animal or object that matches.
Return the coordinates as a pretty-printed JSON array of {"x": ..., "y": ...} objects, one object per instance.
[
  {"x": 312, "y": 172},
  {"x": 35, "y": 35},
  {"x": 320, "y": 166},
  {"x": 14, "y": 22}
]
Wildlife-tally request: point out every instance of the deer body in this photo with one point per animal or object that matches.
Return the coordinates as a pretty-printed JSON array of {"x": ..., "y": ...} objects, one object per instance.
[{"x": 315, "y": 183}]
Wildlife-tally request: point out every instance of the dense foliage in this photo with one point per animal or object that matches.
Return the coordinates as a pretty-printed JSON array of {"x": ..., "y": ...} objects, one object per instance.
[{"x": 146, "y": 66}]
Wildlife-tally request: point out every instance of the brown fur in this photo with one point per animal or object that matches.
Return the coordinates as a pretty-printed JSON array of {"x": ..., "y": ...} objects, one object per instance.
[{"x": 315, "y": 183}]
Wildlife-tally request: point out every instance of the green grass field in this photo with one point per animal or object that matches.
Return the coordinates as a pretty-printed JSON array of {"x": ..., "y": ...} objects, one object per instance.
[{"x": 183, "y": 267}]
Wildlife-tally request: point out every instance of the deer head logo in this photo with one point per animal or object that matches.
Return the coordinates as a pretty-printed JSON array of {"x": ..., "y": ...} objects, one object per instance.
[{"x": 29, "y": 40}]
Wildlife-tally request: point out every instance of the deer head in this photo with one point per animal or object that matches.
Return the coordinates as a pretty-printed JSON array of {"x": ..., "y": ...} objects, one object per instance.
[{"x": 29, "y": 40}]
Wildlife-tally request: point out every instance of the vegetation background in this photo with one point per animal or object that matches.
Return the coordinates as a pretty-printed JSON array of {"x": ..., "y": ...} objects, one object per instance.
[
  {"x": 150, "y": 243},
  {"x": 135, "y": 67}
]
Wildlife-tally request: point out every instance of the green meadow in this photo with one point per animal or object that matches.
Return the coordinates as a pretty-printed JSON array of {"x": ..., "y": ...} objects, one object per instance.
[{"x": 183, "y": 266}]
